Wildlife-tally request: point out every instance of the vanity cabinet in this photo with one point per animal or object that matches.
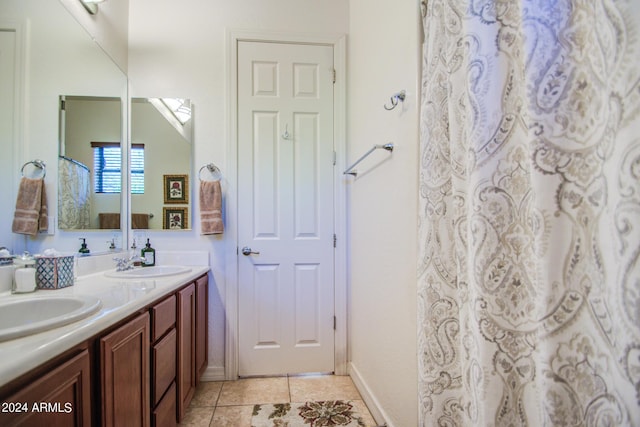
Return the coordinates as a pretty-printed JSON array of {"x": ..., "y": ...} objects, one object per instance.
[
  {"x": 192, "y": 340},
  {"x": 59, "y": 397},
  {"x": 141, "y": 371},
  {"x": 124, "y": 372},
  {"x": 163, "y": 363},
  {"x": 186, "y": 353}
]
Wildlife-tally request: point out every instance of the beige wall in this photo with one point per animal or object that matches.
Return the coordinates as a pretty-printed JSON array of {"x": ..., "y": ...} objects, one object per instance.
[{"x": 383, "y": 59}]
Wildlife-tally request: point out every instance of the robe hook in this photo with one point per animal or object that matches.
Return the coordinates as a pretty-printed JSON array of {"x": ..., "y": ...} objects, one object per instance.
[
  {"x": 400, "y": 96},
  {"x": 286, "y": 134}
]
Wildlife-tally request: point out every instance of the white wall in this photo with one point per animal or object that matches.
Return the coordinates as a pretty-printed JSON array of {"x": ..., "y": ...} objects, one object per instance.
[
  {"x": 109, "y": 27},
  {"x": 180, "y": 52},
  {"x": 383, "y": 59}
]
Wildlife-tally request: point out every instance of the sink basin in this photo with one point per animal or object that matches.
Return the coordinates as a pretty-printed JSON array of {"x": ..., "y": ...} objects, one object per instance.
[
  {"x": 21, "y": 316},
  {"x": 155, "y": 271}
]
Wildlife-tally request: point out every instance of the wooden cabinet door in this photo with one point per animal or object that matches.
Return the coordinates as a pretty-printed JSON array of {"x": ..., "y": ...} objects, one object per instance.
[
  {"x": 186, "y": 379},
  {"x": 61, "y": 398},
  {"x": 124, "y": 369},
  {"x": 202, "y": 328}
]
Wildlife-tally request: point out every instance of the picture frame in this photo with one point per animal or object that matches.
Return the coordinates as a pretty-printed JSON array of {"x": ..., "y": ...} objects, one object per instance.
[
  {"x": 176, "y": 189},
  {"x": 175, "y": 218}
]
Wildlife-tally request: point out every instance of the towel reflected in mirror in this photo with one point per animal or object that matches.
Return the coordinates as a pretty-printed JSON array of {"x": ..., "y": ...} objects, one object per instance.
[{"x": 111, "y": 221}]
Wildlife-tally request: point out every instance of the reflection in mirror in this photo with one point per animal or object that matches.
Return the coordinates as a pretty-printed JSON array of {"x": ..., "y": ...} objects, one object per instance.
[
  {"x": 54, "y": 55},
  {"x": 161, "y": 135},
  {"x": 89, "y": 167}
]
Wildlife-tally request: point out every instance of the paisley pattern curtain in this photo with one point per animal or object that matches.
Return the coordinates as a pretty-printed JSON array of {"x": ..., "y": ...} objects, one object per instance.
[{"x": 529, "y": 269}]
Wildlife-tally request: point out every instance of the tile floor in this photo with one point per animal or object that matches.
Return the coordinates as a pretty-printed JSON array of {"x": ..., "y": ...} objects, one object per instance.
[{"x": 230, "y": 403}]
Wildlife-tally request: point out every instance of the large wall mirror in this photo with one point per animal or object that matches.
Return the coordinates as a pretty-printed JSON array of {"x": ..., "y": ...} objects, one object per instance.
[
  {"x": 61, "y": 58},
  {"x": 89, "y": 168},
  {"x": 161, "y": 163},
  {"x": 90, "y": 163}
]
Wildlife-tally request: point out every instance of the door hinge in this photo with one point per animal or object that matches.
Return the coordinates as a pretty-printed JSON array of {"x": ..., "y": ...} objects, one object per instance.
[
  {"x": 334, "y": 158},
  {"x": 334, "y": 75},
  {"x": 335, "y": 240},
  {"x": 335, "y": 321},
  {"x": 63, "y": 105}
]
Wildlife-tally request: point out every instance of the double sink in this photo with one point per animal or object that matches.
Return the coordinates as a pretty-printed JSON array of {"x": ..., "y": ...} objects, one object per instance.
[{"x": 26, "y": 315}]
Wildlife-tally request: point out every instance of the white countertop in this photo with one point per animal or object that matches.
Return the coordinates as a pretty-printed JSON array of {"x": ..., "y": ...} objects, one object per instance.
[{"x": 120, "y": 298}]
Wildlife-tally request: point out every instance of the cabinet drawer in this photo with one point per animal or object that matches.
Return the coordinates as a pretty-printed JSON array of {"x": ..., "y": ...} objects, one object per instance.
[
  {"x": 165, "y": 413},
  {"x": 164, "y": 365},
  {"x": 163, "y": 317}
]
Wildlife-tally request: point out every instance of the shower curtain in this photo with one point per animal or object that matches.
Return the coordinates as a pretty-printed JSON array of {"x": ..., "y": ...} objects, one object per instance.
[
  {"x": 529, "y": 270},
  {"x": 74, "y": 195}
]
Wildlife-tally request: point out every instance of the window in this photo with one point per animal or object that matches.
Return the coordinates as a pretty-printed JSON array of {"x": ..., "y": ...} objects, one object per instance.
[
  {"x": 180, "y": 108},
  {"x": 137, "y": 169},
  {"x": 107, "y": 163}
]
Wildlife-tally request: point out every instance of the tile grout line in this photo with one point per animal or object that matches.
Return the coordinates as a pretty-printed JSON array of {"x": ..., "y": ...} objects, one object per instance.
[{"x": 215, "y": 405}]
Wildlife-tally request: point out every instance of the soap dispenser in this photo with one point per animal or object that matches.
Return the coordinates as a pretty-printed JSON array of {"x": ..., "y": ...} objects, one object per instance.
[
  {"x": 84, "y": 250},
  {"x": 149, "y": 255}
]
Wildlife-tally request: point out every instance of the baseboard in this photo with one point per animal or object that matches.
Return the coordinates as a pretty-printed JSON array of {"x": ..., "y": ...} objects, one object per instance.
[
  {"x": 378, "y": 414},
  {"x": 213, "y": 373}
]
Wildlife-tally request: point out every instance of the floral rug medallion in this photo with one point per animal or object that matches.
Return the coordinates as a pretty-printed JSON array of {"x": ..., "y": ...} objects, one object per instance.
[{"x": 308, "y": 414}]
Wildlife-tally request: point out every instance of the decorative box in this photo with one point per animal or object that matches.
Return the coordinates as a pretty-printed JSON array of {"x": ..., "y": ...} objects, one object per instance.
[{"x": 54, "y": 272}]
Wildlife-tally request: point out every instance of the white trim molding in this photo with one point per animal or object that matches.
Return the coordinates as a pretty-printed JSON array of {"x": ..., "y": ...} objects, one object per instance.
[
  {"x": 368, "y": 397},
  {"x": 338, "y": 41},
  {"x": 213, "y": 373}
]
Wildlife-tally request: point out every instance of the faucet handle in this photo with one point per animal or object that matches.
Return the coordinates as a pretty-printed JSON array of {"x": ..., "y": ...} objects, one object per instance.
[{"x": 121, "y": 263}]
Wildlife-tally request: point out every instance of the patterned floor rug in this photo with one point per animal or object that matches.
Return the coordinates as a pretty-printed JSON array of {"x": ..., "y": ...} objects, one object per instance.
[{"x": 308, "y": 414}]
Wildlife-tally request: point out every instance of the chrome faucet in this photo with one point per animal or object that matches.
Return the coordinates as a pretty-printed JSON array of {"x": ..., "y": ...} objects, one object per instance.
[{"x": 127, "y": 263}]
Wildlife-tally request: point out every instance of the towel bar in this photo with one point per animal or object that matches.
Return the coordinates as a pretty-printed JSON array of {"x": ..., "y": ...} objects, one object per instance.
[{"x": 388, "y": 147}]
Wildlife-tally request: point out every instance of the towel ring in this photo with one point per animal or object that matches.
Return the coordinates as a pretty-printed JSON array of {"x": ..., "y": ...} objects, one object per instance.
[
  {"x": 38, "y": 164},
  {"x": 211, "y": 168}
]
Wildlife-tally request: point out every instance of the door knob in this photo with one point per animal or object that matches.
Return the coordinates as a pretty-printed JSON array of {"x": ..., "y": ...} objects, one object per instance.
[{"x": 246, "y": 251}]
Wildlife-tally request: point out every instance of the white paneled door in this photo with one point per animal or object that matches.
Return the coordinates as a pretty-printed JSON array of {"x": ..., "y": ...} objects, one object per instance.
[{"x": 286, "y": 208}]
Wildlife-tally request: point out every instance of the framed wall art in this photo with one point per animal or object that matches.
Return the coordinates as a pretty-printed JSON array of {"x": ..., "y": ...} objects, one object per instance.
[
  {"x": 175, "y": 218},
  {"x": 176, "y": 189}
]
